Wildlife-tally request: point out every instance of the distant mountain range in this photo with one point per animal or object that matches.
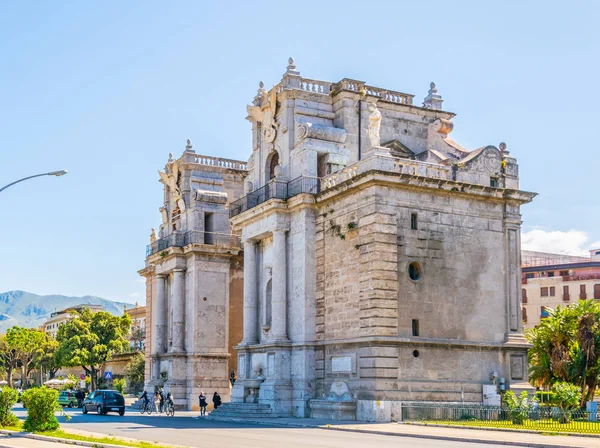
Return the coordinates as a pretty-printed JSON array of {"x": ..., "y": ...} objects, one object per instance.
[{"x": 29, "y": 310}]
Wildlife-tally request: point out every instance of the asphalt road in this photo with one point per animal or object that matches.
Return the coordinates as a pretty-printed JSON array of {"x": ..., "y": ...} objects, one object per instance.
[{"x": 198, "y": 432}]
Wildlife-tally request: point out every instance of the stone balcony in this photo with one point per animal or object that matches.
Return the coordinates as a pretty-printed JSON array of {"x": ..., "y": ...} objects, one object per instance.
[{"x": 181, "y": 239}]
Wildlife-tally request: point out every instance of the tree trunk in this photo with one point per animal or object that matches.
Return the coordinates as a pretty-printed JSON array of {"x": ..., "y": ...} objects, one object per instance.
[
  {"x": 23, "y": 378},
  {"x": 93, "y": 377},
  {"x": 9, "y": 372}
]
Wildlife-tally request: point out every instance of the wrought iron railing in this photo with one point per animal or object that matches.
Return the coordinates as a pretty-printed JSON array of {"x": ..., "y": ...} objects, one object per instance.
[
  {"x": 193, "y": 237},
  {"x": 275, "y": 189},
  {"x": 538, "y": 418}
]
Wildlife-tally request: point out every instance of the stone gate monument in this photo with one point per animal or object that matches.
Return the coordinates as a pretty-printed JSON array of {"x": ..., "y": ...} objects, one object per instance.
[
  {"x": 194, "y": 280},
  {"x": 379, "y": 254}
]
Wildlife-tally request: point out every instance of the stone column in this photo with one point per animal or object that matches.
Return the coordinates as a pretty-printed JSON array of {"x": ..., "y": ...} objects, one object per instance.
[
  {"x": 178, "y": 310},
  {"x": 158, "y": 321},
  {"x": 250, "y": 295},
  {"x": 279, "y": 279}
]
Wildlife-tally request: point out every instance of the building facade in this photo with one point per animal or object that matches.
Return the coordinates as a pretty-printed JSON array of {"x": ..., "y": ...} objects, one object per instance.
[
  {"x": 194, "y": 280},
  {"x": 137, "y": 332},
  {"x": 381, "y": 258},
  {"x": 50, "y": 327},
  {"x": 550, "y": 280}
]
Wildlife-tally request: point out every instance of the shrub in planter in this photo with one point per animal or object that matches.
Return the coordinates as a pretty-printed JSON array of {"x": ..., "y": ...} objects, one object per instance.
[
  {"x": 8, "y": 398},
  {"x": 41, "y": 406}
]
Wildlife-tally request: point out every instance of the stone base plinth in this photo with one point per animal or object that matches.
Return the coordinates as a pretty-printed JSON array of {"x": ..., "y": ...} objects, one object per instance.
[{"x": 333, "y": 410}]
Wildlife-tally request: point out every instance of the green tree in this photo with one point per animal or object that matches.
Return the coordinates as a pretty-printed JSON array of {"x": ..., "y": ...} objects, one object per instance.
[
  {"x": 9, "y": 359},
  {"x": 90, "y": 340},
  {"x": 567, "y": 396},
  {"x": 46, "y": 361},
  {"x": 135, "y": 370},
  {"x": 27, "y": 344},
  {"x": 566, "y": 348}
]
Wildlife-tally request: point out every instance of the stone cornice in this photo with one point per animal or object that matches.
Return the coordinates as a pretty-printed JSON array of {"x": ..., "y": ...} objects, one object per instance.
[
  {"x": 413, "y": 342},
  {"x": 378, "y": 177}
]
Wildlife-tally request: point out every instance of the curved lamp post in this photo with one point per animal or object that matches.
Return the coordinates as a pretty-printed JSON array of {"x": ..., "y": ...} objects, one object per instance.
[{"x": 51, "y": 173}]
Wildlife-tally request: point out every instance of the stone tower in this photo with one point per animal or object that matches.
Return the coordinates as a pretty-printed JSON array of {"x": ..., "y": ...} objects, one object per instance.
[
  {"x": 381, "y": 258},
  {"x": 194, "y": 279}
]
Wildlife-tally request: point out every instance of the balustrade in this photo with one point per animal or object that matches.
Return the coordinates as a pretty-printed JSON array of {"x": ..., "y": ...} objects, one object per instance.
[{"x": 221, "y": 163}]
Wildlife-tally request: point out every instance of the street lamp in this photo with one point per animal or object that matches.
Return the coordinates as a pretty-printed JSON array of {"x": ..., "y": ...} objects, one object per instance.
[{"x": 51, "y": 173}]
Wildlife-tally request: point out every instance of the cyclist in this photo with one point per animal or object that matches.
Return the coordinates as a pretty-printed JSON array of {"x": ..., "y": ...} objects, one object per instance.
[
  {"x": 170, "y": 403},
  {"x": 145, "y": 398}
]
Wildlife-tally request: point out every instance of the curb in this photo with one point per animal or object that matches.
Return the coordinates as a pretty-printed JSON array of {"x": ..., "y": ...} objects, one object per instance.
[
  {"x": 395, "y": 434},
  {"x": 513, "y": 431},
  {"x": 28, "y": 435}
]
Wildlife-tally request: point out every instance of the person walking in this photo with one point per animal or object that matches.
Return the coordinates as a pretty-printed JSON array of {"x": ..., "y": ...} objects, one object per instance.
[
  {"x": 161, "y": 395},
  {"x": 79, "y": 396},
  {"x": 203, "y": 404},
  {"x": 216, "y": 400},
  {"x": 156, "y": 401}
]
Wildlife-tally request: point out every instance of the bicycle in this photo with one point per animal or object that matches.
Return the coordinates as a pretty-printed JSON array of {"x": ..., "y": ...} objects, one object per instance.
[
  {"x": 145, "y": 407},
  {"x": 170, "y": 409}
]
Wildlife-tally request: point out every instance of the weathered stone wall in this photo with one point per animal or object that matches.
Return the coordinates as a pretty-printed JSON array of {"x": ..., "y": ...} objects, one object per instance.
[{"x": 364, "y": 244}]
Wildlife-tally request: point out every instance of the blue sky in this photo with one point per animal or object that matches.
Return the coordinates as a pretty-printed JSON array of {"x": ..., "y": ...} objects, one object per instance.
[{"x": 107, "y": 89}]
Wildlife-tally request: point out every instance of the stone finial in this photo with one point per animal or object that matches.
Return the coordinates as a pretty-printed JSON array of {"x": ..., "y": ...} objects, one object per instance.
[
  {"x": 261, "y": 86},
  {"x": 188, "y": 146},
  {"x": 433, "y": 100},
  {"x": 153, "y": 236},
  {"x": 291, "y": 68},
  {"x": 170, "y": 158},
  {"x": 502, "y": 146}
]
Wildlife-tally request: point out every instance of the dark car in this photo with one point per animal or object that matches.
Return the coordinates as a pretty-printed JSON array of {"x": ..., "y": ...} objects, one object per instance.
[{"x": 103, "y": 402}]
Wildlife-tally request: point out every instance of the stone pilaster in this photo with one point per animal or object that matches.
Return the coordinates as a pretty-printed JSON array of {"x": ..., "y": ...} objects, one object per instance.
[
  {"x": 250, "y": 295},
  {"x": 279, "y": 325},
  {"x": 178, "y": 310}
]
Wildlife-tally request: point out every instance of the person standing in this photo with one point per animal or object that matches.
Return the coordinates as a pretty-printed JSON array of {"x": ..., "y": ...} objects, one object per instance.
[
  {"x": 161, "y": 395},
  {"x": 232, "y": 378},
  {"x": 203, "y": 404},
  {"x": 156, "y": 401},
  {"x": 216, "y": 400}
]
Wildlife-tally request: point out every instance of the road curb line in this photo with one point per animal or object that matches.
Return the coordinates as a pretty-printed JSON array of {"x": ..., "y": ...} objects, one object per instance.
[
  {"x": 395, "y": 434},
  {"x": 28, "y": 435}
]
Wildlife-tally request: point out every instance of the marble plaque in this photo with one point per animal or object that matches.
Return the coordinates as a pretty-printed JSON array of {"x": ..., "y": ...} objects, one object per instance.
[
  {"x": 341, "y": 364},
  {"x": 516, "y": 367},
  {"x": 242, "y": 366},
  {"x": 271, "y": 365}
]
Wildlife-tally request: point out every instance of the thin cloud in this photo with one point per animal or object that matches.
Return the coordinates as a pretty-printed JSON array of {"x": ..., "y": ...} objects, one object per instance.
[{"x": 571, "y": 242}]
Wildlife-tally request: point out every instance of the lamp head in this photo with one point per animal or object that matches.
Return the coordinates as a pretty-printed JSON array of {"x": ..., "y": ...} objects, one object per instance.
[{"x": 58, "y": 173}]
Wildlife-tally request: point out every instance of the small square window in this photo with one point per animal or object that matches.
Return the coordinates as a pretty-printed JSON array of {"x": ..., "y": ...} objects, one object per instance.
[
  {"x": 414, "y": 223},
  {"x": 415, "y": 327},
  {"x": 494, "y": 182},
  {"x": 544, "y": 291}
]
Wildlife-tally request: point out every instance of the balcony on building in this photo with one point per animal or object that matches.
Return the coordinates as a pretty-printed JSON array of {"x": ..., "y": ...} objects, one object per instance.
[
  {"x": 182, "y": 239},
  {"x": 276, "y": 189}
]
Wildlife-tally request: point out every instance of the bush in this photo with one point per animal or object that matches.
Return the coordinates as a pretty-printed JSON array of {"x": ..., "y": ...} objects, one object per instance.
[
  {"x": 120, "y": 385},
  {"x": 8, "y": 398},
  {"x": 519, "y": 406},
  {"x": 545, "y": 397},
  {"x": 567, "y": 397},
  {"x": 41, "y": 405}
]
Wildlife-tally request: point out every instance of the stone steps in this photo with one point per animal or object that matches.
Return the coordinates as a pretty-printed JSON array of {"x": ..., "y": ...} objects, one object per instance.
[{"x": 245, "y": 410}]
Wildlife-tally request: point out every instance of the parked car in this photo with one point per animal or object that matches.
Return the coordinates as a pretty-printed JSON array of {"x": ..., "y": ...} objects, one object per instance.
[
  {"x": 104, "y": 401},
  {"x": 67, "y": 398}
]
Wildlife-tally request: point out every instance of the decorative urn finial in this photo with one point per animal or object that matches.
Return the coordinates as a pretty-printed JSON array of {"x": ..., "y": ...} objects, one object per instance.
[{"x": 291, "y": 68}]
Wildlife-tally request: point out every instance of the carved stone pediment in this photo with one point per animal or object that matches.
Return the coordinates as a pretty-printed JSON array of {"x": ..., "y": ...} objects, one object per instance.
[{"x": 398, "y": 149}]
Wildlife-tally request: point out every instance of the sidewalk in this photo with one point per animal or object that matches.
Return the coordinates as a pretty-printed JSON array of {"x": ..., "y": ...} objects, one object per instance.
[
  {"x": 23, "y": 442},
  {"x": 431, "y": 432}
]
